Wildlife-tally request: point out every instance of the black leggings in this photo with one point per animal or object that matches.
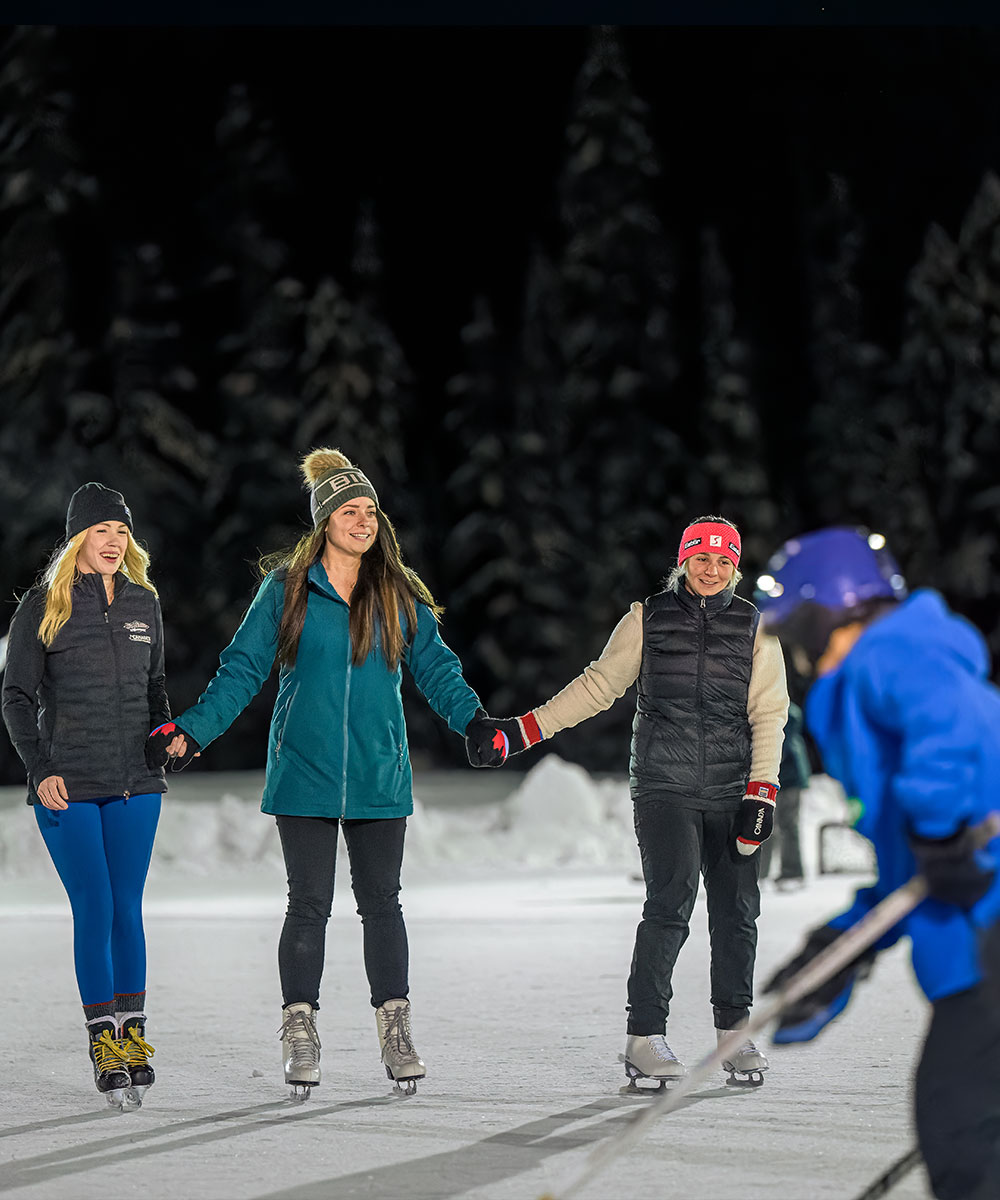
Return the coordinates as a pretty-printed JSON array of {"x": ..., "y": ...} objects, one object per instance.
[
  {"x": 678, "y": 845},
  {"x": 375, "y": 848}
]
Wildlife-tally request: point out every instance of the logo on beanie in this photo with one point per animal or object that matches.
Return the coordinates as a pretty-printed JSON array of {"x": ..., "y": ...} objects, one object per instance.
[{"x": 692, "y": 542}]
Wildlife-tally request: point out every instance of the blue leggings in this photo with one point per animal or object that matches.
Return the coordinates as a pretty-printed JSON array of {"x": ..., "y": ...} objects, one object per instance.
[{"x": 101, "y": 849}]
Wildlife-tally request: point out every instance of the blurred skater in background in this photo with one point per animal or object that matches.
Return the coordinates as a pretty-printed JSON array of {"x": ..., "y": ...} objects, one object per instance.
[{"x": 786, "y": 839}]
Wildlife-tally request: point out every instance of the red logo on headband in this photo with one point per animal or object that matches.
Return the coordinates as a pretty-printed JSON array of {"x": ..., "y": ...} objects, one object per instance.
[{"x": 710, "y": 537}]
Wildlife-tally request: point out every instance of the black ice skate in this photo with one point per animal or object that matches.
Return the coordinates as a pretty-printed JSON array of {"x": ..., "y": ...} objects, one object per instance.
[
  {"x": 137, "y": 1051},
  {"x": 301, "y": 1046},
  {"x": 402, "y": 1063},
  {"x": 650, "y": 1058},
  {"x": 744, "y": 1062},
  {"x": 110, "y": 1063}
]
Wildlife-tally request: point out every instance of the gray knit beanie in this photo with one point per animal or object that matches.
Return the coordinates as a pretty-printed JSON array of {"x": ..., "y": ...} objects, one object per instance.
[
  {"x": 335, "y": 488},
  {"x": 92, "y": 504}
]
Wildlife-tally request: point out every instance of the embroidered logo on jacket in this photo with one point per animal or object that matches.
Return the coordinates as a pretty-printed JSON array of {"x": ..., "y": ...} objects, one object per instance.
[{"x": 134, "y": 634}]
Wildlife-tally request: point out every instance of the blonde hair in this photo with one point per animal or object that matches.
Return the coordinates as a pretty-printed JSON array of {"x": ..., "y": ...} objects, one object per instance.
[
  {"x": 386, "y": 588},
  {"x": 62, "y": 573}
]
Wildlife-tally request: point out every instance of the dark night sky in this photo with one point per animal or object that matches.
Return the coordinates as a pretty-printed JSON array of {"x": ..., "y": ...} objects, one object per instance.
[{"x": 457, "y": 136}]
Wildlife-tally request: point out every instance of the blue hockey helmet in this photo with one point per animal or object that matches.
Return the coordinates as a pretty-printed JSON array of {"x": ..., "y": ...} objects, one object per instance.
[
  {"x": 818, "y": 581},
  {"x": 839, "y": 568}
]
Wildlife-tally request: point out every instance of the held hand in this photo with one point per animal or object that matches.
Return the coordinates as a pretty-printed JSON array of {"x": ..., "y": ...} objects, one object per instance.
[
  {"x": 169, "y": 743},
  {"x": 802, "y": 1020},
  {"x": 756, "y": 818},
  {"x": 956, "y": 871},
  {"x": 52, "y": 792},
  {"x": 490, "y": 740}
]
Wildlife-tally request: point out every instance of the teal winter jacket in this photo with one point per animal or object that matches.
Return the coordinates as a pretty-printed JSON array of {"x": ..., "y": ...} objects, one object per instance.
[{"x": 337, "y": 746}]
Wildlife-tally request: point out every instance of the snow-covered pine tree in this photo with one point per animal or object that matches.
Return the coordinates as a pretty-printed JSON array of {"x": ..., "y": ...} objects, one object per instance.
[
  {"x": 844, "y": 439},
  {"x": 47, "y": 196},
  {"x": 735, "y": 458},
  {"x": 613, "y": 430},
  {"x": 943, "y": 479},
  {"x": 357, "y": 384},
  {"x": 260, "y": 305}
]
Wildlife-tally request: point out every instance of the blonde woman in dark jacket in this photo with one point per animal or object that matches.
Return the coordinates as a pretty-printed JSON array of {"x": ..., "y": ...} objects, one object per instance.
[
  {"x": 706, "y": 748},
  {"x": 83, "y": 686}
]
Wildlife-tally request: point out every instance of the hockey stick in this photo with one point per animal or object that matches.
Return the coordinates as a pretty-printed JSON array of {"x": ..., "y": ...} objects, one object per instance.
[
  {"x": 876, "y": 922},
  {"x": 892, "y": 1175}
]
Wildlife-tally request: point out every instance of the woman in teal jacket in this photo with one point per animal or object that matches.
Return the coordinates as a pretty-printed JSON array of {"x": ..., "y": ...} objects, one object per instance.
[{"x": 339, "y": 613}]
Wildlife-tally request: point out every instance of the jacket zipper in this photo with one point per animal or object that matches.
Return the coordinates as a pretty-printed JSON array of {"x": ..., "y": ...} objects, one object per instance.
[
  {"x": 118, "y": 682},
  {"x": 347, "y": 698},
  {"x": 701, "y": 696}
]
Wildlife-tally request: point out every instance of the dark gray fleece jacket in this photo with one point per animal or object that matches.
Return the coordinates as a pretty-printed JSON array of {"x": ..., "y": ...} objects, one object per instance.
[{"x": 83, "y": 707}]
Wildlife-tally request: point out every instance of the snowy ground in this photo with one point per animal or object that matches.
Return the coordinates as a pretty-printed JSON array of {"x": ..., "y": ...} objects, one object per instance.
[{"x": 521, "y": 914}]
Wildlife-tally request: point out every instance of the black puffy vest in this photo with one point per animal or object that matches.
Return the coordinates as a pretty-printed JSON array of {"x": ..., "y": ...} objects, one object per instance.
[{"x": 691, "y": 735}]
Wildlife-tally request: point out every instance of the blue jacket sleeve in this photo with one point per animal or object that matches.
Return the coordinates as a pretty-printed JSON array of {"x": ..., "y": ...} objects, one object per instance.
[
  {"x": 244, "y": 666},
  {"x": 437, "y": 672},
  {"x": 930, "y": 706}
]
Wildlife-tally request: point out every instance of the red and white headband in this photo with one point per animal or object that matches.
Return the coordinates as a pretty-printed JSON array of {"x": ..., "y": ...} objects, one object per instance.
[{"x": 709, "y": 537}]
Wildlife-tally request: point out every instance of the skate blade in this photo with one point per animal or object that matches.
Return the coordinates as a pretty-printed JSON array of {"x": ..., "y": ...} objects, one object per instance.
[
  {"x": 750, "y": 1079},
  {"x": 132, "y": 1099},
  {"x": 300, "y": 1092},
  {"x": 632, "y": 1088},
  {"x": 654, "y": 1083},
  {"x": 120, "y": 1098}
]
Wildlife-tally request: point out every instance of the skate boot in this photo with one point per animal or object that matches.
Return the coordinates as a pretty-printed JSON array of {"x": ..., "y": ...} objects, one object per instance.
[
  {"x": 300, "y": 1044},
  {"x": 402, "y": 1063},
  {"x": 744, "y": 1062},
  {"x": 649, "y": 1057},
  {"x": 110, "y": 1061},
  {"x": 132, "y": 1039}
]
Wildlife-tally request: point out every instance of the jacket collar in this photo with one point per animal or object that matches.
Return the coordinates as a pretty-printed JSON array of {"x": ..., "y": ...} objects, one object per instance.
[
  {"x": 708, "y": 604},
  {"x": 94, "y": 581},
  {"x": 318, "y": 579}
]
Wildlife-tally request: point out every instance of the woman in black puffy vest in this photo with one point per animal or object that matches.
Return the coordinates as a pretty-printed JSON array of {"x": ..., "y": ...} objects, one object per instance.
[{"x": 706, "y": 748}]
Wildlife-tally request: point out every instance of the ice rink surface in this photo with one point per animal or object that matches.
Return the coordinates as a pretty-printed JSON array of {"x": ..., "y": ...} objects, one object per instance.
[{"x": 521, "y": 916}]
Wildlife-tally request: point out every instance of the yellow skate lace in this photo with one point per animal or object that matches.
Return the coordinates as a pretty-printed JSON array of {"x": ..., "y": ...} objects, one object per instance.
[
  {"x": 136, "y": 1049},
  {"x": 108, "y": 1053}
]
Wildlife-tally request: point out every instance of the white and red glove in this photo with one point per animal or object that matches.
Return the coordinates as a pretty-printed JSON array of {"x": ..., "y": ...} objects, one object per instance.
[{"x": 756, "y": 819}]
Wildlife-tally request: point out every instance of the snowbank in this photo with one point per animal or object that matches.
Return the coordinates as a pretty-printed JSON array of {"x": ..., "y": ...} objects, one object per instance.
[{"x": 559, "y": 817}]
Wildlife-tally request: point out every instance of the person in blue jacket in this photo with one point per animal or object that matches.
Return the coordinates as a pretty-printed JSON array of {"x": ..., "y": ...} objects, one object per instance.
[
  {"x": 339, "y": 614},
  {"x": 903, "y": 715}
]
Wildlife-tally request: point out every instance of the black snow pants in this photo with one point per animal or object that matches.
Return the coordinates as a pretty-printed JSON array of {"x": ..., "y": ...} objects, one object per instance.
[
  {"x": 678, "y": 845},
  {"x": 957, "y": 1096},
  {"x": 375, "y": 848}
]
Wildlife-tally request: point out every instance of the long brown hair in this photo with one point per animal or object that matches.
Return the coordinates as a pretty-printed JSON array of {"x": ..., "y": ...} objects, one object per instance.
[{"x": 386, "y": 591}]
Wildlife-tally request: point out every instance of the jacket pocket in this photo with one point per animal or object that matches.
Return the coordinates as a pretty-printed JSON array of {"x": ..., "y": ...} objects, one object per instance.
[{"x": 280, "y": 735}]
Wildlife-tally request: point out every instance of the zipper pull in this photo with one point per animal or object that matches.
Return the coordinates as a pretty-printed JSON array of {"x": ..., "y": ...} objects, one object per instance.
[{"x": 702, "y": 603}]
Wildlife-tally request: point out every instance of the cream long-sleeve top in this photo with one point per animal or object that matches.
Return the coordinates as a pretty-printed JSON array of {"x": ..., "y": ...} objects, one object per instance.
[{"x": 608, "y": 677}]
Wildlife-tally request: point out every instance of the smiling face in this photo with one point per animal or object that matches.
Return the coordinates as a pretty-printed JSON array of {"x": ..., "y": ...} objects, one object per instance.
[
  {"x": 709, "y": 574},
  {"x": 103, "y": 548},
  {"x": 352, "y": 528}
]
